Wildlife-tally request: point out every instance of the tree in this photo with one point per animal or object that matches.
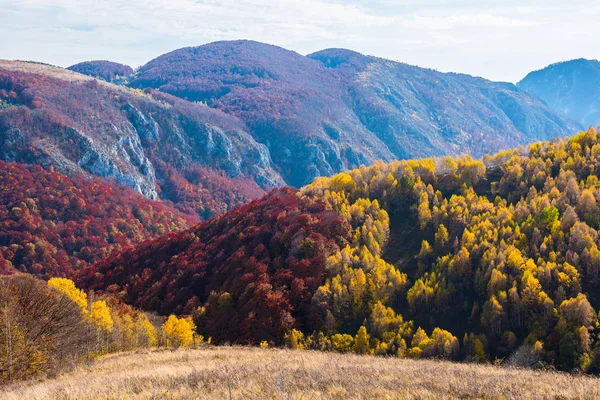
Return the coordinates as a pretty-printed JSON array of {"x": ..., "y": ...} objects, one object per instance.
[
  {"x": 296, "y": 339},
  {"x": 578, "y": 311},
  {"x": 342, "y": 342},
  {"x": 100, "y": 316},
  {"x": 361, "y": 342},
  {"x": 441, "y": 238},
  {"x": 41, "y": 329},
  {"x": 179, "y": 332},
  {"x": 424, "y": 213},
  {"x": 67, "y": 287}
]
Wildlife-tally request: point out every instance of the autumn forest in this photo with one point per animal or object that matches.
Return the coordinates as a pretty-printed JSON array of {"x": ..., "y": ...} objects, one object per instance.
[{"x": 164, "y": 209}]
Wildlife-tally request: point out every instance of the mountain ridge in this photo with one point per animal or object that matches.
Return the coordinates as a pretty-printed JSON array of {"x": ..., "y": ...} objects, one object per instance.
[
  {"x": 349, "y": 109},
  {"x": 570, "y": 87}
]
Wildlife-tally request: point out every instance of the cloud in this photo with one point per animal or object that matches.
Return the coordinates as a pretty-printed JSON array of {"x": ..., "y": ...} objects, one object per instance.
[{"x": 493, "y": 38}]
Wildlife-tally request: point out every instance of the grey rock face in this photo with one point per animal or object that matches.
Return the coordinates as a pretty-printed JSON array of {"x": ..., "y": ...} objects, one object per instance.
[
  {"x": 98, "y": 162},
  {"x": 146, "y": 128}
]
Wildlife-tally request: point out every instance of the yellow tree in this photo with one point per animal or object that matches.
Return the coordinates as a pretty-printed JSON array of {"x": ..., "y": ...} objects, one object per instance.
[
  {"x": 361, "y": 341},
  {"x": 178, "y": 332},
  {"x": 68, "y": 287},
  {"x": 145, "y": 331},
  {"x": 100, "y": 316}
]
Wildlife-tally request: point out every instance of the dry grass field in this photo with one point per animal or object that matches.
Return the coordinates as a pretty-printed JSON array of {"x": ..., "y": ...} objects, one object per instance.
[{"x": 253, "y": 373}]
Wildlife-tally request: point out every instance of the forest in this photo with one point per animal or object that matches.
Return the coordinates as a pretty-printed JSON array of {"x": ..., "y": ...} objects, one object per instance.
[
  {"x": 445, "y": 257},
  {"x": 489, "y": 261},
  {"x": 51, "y": 225}
]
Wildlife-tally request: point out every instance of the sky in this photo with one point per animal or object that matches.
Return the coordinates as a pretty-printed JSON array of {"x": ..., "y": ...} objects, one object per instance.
[{"x": 498, "y": 40}]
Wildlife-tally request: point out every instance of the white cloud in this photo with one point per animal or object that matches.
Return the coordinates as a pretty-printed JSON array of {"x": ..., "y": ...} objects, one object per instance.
[{"x": 492, "y": 38}]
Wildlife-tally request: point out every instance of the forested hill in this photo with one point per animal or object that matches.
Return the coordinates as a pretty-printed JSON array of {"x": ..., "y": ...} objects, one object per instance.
[
  {"x": 447, "y": 257},
  {"x": 51, "y": 224},
  {"x": 161, "y": 146},
  {"x": 337, "y": 109}
]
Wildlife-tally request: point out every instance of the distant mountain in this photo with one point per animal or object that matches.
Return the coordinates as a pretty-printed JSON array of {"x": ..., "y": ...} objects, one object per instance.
[
  {"x": 337, "y": 109},
  {"x": 200, "y": 158},
  {"x": 572, "y": 88},
  {"x": 214, "y": 126},
  {"x": 103, "y": 69}
]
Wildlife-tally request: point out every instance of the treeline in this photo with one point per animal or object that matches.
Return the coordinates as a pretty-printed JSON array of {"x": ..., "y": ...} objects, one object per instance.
[{"x": 46, "y": 328}]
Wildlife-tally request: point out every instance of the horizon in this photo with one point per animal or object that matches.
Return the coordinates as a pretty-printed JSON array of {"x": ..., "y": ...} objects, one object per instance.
[
  {"x": 135, "y": 67},
  {"x": 499, "y": 42}
]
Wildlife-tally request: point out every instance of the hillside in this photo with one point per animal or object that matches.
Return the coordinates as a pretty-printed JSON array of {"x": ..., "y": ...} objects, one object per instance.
[
  {"x": 572, "y": 88},
  {"x": 163, "y": 147},
  {"x": 451, "y": 258},
  {"x": 51, "y": 225},
  {"x": 239, "y": 372},
  {"x": 337, "y": 109},
  {"x": 254, "y": 269},
  {"x": 102, "y": 69}
]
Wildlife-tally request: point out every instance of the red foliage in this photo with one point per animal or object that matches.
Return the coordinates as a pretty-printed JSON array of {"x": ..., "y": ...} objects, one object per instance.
[
  {"x": 47, "y": 120},
  {"x": 253, "y": 269},
  {"x": 204, "y": 192},
  {"x": 51, "y": 224}
]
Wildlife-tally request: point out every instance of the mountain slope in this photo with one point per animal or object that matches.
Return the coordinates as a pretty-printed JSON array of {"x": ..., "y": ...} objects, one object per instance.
[
  {"x": 337, "y": 109},
  {"x": 422, "y": 113},
  {"x": 571, "y": 88},
  {"x": 51, "y": 225},
  {"x": 503, "y": 254},
  {"x": 161, "y": 146},
  {"x": 291, "y": 103}
]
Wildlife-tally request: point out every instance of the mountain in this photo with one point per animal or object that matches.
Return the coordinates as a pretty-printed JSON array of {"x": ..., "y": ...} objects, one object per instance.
[
  {"x": 572, "y": 88},
  {"x": 338, "y": 109},
  {"x": 163, "y": 147},
  {"x": 103, "y": 69},
  {"x": 403, "y": 258},
  {"x": 51, "y": 224},
  {"x": 214, "y": 126}
]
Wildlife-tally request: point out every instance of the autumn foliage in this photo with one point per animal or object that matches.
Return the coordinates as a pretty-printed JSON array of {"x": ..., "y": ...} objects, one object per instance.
[
  {"x": 46, "y": 328},
  {"x": 503, "y": 253},
  {"x": 51, "y": 225},
  {"x": 199, "y": 156},
  {"x": 248, "y": 276}
]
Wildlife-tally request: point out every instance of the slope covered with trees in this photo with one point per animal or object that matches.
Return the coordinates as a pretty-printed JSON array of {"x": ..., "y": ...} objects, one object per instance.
[
  {"x": 107, "y": 70},
  {"x": 508, "y": 259},
  {"x": 454, "y": 258},
  {"x": 51, "y": 224},
  {"x": 337, "y": 109},
  {"x": 161, "y": 146},
  {"x": 248, "y": 275}
]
